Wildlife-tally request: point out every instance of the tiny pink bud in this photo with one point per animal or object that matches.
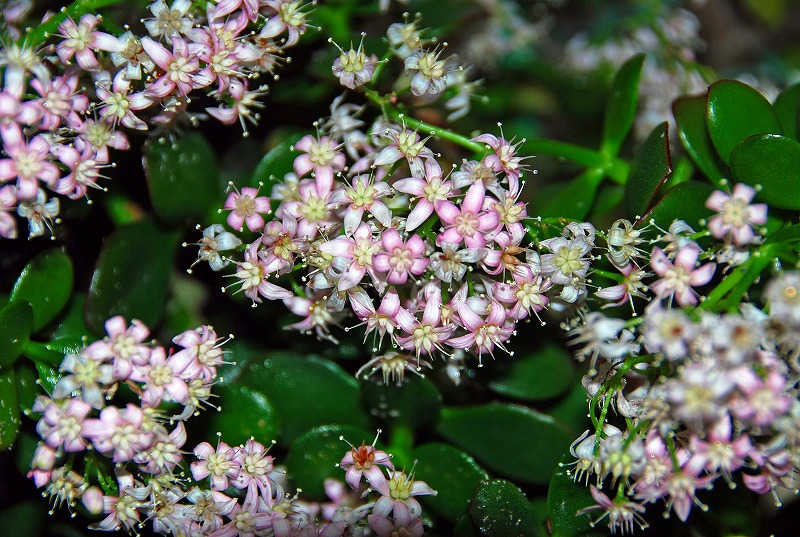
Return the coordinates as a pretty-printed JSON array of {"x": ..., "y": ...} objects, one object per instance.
[
  {"x": 44, "y": 457},
  {"x": 93, "y": 500}
]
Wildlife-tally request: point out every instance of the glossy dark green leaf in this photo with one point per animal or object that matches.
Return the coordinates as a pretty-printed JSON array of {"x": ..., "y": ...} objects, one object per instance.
[
  {"x": 132, "y": 275},
  {"x": 182, "y": 177},
  {"x": 564, "y": 499},
  {"x": 571, "y": 410},
  {"x": 774, "y": 163},
  {"x": 621, "y": 108},
  {"x": 651, "y": 166},
  {"x": 414, "y": 404},
  {"x": 16, "y": 324},
  {"x": 690, "y": 115},
  {"x": 72, "y": 325},
  {"x": 287, "y": 380},
  {"x": 314, "y": 455},
  {"x": 48, "y": 376},
  {"x": 452, "y": 474},
  {"x": 27, "y": 389},
  {"x": 245, "y": 413},
  {"x": 9, "y": 408},
  {"x": 735, "y": 111},
  {"x": 276, "y": 163},
  {"x": 542, "y": 374},
  {"x": 46, "y": 284},
  {"x": 499, "y": 509},
  {"x": 464, "y": 528},
  {"x": 511, "y": 440},
  {"x": 28, "y": 518},
  {"x": 787, "y": 108},
  {"x": 575, "y": 199},
  {"x": 685, "y": 201},
  {"x": 786, "y": 234}
]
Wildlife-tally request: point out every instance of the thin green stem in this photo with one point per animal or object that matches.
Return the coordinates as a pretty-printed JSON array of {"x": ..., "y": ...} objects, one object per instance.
[
  {"x": 37, "y": 36},
  {"x": 422, "y": 126},
  {"x": 580, "y": 155}
]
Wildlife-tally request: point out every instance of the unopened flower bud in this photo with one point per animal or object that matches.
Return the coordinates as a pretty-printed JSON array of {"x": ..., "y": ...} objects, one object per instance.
[{"x": 93, "y": 500}]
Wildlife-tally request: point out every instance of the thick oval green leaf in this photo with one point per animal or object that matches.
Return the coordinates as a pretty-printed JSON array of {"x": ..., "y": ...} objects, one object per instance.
[
  {"x": 182, "y": 177},
  {"x": 690, "y": 115},
  {"x": 787, "y": 108},
  {"x": 774, "y": 163},
  {"x": 313, "y": 457},
  {"x": 509, "y": 439},
  {"x": 48, "y": 376},
  {"x": 575, "y": 199},
  {"x": 245, "y": 413},
  {"x": 621, "y": 108},
  {"x": 16, "y": 324},
  {"x": 46, "y": 284},
  {"x": 735, "y": 111},
  {"x": 685, "y": 201},
  {"x": 288, "y": 380},
  {"x": 500, "y": 509},
  {"x": 542, "y": 374},
  {"x": 132, "y": 275},
  {"x": 9, "y": 408},
  {"x": 651, "y": 166},
  {"x": 414, "y": 404},
  {"x": 27, "y": 389},
  {"x": 464, "y": 528},
  {"x": 28, "y": 518},
  {"x": 564, "y": 499},
  {"x": 276, "y": 163},
  {"x": 452, "y": 474}
]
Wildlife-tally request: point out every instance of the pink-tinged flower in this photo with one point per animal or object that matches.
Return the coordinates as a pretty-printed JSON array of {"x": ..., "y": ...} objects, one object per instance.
[
  {"x": 468, "y": 223},
  {"x": 122, "y": 510},
  {"x": 621, "y": 514},
  {"x": 8, "y": 203},
  {"x": 209, "y": 507},
  {"x": 503, "y": 159},
  {"x": 353, "y": 67},
  {"x": 525, "y": 296},
  {"x": 363, "y": 194},
  {"x": 92, "y": 500},
  {"x": 163, "y": 380},
  {"x": 511, "y": 212},
  {"x": 118, "y": 103},
  {"x": 776, "y": 470},
  {"x": 360, "y": 249},
  {"x": 398, "y": 258},
  {"x": 312, "y": 210},
  {"x": 384, "y": 319},
  {"x": 429, "y": 72},
  {"x": 202, "y": 353},
  {"x": 567, "y": 261},
  {"x": 762, "y": 400},
  {"x": 425, "y": 335},
  {"x": 44, "y": 459},
  {"x": 483, "y": 334},
  {"x": 288, "y": 17},
  {"x": 41, "y": 213},
  {"x": 131, "y": 59},
  {"x": 254, "y": 467},
  {"x": 398, "y": 492},
  {"x": 246, "y": 207},
  {"x": 219, "y": 464},
  {"x": 696, "y": 396},
  {"x": 393, "y": 367},
  {"x": 99, "y": 135},
  {"x": 215, "y": 240},
  {"x": 365, "y": 461},
  {"x": 61, "y": 425},
  {"x": 181, "y": 68},
  {"x": 504, "y": 258},
  {"x": 720, "y": 453},
  {"x": 315, "y": 315},
  {"x": 87, "y": 376},
  {"x": 679, "y": 277},
  {"x": 252, "y": 276},
  {"x": 83, "y": 167},
  {"x": 249, "y": 519},
  {"x": 667, "y": 330},
  {"x": 280, "y": 244},
  {"x": 244, "y": 102},
  {"x": 62, "y": 99},
  {"x": 322, "y": 157},
  {"x": 124, "y": 345},
  {"x": 736, "y": 216},
  {"x": 17, "y": 61},
  {"x": 169, "y": 22},
  {"x": 81, "y": 40},
  {"x": 226, "y": 7},
  {"x": 404, "y": 143},
  {"x": 119, "y": 431},
  {"x": 14, "y": 111},
  {"x": 430, "y": 192},
  {"x": 28, "y": 163},
  {"x": 165, "y": 453},
  {"x": 403, "y": 524},
  {"x": 631, "y": 286},
  {"x": 450, "y": 265},
  {"x": 681, "y": 487}
]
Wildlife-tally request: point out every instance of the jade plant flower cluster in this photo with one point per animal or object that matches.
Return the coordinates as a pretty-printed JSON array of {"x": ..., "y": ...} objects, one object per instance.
[{"x": 64, "y": 107}]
